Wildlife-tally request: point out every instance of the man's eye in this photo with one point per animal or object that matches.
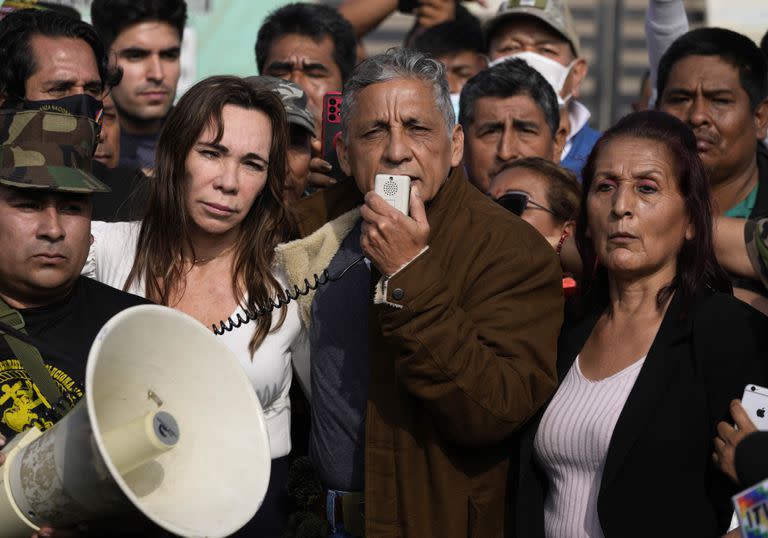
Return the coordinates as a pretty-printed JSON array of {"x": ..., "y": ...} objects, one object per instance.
[
  {"x": 174, "y": 55},
  {"x": 74, "y": 209},
  {"x": 316, "y": 73},
  {"x": 208, "y": 153},
  {"x": 29, "y": 205},
  {"x": 133, "y": 56}
]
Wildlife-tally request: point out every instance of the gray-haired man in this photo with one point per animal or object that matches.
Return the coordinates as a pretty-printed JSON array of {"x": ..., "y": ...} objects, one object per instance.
[{"x": 425, "y": 361}]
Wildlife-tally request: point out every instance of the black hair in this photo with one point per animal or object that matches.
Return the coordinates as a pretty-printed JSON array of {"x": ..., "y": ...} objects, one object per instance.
[
  {"x": 764, "y": 44},
  {"x": 60, "y": 8},
  {"x": 462, "y": 33},
  {"x": 16, "y": 32},
  {"x": 696, "y": 262},
  {"x": 315, "y": 21},
  {"x": 732, "y": 47},
  {"x": 110, "y": 17},
  {"x": 509, "y": 78}
]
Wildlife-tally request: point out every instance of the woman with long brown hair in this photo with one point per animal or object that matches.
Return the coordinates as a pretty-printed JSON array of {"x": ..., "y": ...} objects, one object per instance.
[{"x": 206, "y": 243}]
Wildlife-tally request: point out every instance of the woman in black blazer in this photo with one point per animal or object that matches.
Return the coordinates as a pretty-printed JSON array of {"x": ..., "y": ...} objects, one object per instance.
[{"x": 650, "y": 364}]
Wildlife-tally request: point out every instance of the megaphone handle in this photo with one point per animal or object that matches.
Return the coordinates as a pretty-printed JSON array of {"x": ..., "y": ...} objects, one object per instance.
[{"x": 13, "y": 522}]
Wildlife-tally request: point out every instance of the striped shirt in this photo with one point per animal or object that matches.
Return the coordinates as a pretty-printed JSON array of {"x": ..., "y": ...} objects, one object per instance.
[{"x": 571, "y": 446}]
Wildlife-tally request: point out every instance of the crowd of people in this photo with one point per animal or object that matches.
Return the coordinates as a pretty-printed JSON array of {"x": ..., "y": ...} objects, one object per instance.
[{"x": 551, "y": 341}]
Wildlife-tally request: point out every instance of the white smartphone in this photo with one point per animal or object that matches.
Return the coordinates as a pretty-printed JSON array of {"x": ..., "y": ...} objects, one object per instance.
[
  {"x": 395, "y": 189},
  {"x": 755, "y": 403}
]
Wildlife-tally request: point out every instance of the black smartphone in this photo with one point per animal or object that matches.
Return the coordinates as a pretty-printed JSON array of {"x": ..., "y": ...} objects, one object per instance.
[{"x": 331, "y": 132}]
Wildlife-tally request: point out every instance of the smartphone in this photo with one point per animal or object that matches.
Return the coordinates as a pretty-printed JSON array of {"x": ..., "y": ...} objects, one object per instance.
[
  {"x": 755, "y": 403},
  {"x": 395, "y": 189},
  {"x": 331, "y": 131}
]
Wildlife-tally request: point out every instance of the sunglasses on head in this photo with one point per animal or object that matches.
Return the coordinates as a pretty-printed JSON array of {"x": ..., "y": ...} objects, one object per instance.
[{"x": 519, "y": 201}]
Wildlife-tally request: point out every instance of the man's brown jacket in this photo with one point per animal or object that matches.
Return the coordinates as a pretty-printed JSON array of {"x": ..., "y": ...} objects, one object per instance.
[{"x": 463, "y": 349}]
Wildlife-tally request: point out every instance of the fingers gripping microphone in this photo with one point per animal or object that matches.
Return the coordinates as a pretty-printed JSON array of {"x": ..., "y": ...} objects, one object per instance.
[{"x": 170, "y": 427}]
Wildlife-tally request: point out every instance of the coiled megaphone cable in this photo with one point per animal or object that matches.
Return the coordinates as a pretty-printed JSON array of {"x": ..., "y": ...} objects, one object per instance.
[{"x": 323, "y": 278}]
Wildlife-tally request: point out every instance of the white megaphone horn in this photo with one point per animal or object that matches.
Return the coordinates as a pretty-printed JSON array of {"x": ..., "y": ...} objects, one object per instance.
[{"x": 170, "y": 427}]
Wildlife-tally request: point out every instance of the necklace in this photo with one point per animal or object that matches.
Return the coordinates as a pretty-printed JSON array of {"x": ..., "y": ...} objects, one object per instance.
[{"x": 202, "y": 261}]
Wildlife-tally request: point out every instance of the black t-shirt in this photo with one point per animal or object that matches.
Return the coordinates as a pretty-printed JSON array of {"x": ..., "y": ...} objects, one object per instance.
[{"x": 68, "y": 327}]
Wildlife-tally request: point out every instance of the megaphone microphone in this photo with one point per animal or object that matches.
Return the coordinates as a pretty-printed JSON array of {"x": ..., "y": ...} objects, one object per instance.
[{"x": 170, "y": 427}]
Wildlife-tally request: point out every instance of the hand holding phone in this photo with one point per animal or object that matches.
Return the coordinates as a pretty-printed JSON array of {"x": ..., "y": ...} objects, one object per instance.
[
  {"x": 755, "y": 403},
  {"x": 395, "y": 189},
  {"x": 392, "y": 239},
  {"x": 331, "y": 131}
]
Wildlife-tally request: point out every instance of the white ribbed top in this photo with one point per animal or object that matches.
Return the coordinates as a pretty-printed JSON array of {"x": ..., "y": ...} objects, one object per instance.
[{"x": 571, "y": 445}]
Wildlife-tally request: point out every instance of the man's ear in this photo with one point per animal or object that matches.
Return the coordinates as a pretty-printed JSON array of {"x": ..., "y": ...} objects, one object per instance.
[
  {"x": 690, "y": 231},
  {"x": 761, "y": 119},
  {"x": 560, "y": 137},
  {"x": 577, "y": 75},
  {"x": 341, "y": 153},
  {"x": 457, "y": 146}
]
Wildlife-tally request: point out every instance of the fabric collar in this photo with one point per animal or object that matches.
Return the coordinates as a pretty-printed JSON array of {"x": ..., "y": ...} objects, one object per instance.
[{"x": 578, "y": 116}]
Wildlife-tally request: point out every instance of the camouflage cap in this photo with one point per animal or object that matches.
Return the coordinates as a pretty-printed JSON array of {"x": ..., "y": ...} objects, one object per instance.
[
  {"x": 293, "y": 97},
  {"x": 554, "y": 13},
  {"x": 48, "y": 151}
]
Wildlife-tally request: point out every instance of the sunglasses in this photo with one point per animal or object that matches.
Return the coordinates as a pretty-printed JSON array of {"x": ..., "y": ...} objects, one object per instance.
[{"x": 519, "y": 201}]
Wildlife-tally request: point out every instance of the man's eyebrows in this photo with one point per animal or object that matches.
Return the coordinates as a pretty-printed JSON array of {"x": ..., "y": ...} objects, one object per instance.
[
  {"x": 313, "y": 64},
  {"x": 525, "y": 124},
  {"x": 133, "y": 51}
]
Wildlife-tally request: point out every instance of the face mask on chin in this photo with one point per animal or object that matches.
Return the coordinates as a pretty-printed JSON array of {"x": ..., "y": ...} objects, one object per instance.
[{"x": 553, "y": 71}]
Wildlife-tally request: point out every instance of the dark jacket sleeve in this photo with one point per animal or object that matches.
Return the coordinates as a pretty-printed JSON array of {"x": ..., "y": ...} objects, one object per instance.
[
  {"x": 482, "y": 359},
  {"x": 752, "y": 459},
  {"x": 731, "y": 339}
]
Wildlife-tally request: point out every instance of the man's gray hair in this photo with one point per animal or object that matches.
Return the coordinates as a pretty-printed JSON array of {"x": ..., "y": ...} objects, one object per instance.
[{"x": 397, "y": 63}]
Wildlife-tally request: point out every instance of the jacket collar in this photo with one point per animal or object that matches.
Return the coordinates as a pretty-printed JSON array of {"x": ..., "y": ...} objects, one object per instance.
[
  {"x": 651, "y": 382},
  {"x": 448, "y": 200},
  {"x": 654, "y": 376}
]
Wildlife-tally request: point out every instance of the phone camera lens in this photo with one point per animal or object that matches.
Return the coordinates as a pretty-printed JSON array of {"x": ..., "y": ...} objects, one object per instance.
[
  {"x": 752, "y": 388},
  {"x": 332, "y": 101},
  {"x": 332, "y": 109},
  {"x": 332, "y": 117}
]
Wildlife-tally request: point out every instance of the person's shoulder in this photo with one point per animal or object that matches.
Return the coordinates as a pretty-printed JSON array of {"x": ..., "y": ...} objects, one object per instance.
[
  {"x": 499, "y": 224},
  {"x": 722, "y": 312},
  {"x": 106, "y": 298}
]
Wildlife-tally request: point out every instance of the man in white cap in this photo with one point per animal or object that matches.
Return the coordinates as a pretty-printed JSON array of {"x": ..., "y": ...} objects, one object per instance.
[{"x": 542, "y": 33}]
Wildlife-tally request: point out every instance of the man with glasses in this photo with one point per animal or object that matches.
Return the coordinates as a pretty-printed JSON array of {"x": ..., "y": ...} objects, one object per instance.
[{"x": 508, "y": 112}]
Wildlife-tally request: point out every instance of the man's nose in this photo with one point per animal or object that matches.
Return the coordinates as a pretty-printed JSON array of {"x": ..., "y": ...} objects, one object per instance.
[
  {"x": 698, "y": 114},
  {"x": 50, "y": 226},
  {"x": 397, "y": 150},
  {"x": 509, "y": 146},
  {"x": 155, "y": 69}
]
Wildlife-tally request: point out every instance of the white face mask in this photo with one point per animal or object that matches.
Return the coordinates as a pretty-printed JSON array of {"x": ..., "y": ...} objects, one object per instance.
[
  {"x": 553, "y": 71},
  {"x": 455, "y": 102}
]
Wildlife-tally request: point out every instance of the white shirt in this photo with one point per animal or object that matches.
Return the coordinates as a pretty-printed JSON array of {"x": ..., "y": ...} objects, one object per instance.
[
  {"x": 269, "y": 369},
  {"x": 571, "y": 445},
  {"x": 578, "y": 116}
]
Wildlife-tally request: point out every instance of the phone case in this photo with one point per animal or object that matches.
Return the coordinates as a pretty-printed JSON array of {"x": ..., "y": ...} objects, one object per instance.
[
  {"x": 331, "y": 132},
  {"x": 755, "y": 402},
  {"x": 395, "y": 189}
]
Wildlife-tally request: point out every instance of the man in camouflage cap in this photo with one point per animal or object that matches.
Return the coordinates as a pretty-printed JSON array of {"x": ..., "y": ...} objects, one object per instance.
[
  {"x": 46, "y": 186},
  {"x": 542, "y": 33},
  {"x": 302, "y": 128}
]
